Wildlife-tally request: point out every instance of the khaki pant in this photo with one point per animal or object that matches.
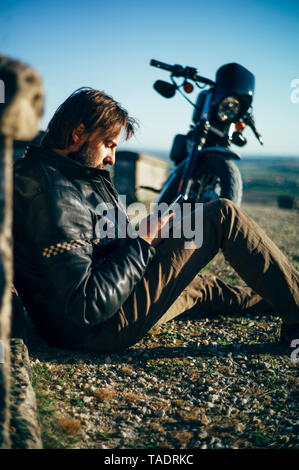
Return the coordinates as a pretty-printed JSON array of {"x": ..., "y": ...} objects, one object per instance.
[{"x": 171, "y": 284}]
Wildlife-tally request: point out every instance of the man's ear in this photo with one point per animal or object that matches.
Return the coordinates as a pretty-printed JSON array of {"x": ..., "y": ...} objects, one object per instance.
[{"x": 77, "y": 133}]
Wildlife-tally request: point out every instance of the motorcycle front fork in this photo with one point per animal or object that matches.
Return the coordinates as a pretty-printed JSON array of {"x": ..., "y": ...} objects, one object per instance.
[{"x": 193, "y": 158}]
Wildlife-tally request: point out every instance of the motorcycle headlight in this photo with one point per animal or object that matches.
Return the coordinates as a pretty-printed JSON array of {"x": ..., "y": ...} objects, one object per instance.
[{"x": 228, "y": 108}]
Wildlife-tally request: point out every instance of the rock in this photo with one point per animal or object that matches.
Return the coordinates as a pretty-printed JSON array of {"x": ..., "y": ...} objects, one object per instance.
[
  {"x": 87, "y": 399},
  {"x": 215, "y": 397},
  {"x": 204, "y": 420},
  {"x": 267, "y": 365},
  {"x": 127, "y": 434},
  {"x": 24, "y": 417},
  {"x": 239, "y": 427},
  {"x": 219, "y": 445}
]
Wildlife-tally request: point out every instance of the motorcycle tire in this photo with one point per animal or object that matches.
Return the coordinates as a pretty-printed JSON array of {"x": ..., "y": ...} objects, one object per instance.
[{"x": 227, "y": 172}]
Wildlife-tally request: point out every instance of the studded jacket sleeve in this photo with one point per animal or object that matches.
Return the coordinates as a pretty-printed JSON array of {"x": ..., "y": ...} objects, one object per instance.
[{"x": 85, "y": 289}]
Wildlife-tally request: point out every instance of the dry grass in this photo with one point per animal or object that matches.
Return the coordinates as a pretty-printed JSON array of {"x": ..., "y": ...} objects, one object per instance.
[
  {"x": 127, "y": 370},
  {"x": 134, "y": 397},
  {"x": 105, "y": 394},
  {"x": 69, "y": 426},
  {"x": 182, "y": 437}
]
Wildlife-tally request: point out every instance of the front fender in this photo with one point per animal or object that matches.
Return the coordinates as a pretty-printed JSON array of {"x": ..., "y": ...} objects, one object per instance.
[{"x": 222, "y": 152}]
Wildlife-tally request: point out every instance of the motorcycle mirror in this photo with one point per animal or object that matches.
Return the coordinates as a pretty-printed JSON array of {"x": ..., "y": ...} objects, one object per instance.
[
  {"x": 165, "y": 89},
  {"x": 238, "y": 139}
]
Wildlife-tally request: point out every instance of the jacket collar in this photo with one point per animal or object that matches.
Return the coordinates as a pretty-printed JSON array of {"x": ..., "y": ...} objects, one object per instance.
[{"x": 65, "y": 163}]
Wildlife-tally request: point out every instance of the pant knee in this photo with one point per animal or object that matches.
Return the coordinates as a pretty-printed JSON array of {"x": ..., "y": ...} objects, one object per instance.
[
  {"x": 229, "y": 210},
  {"x": 226, "y": 204}
]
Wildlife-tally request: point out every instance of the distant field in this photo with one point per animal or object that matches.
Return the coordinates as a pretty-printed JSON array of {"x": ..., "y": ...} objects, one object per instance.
[{"x": 265, "y": 179}]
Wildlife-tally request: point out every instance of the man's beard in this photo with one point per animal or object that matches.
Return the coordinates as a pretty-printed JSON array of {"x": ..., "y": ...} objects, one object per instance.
[{"x": 86, "y": 156}]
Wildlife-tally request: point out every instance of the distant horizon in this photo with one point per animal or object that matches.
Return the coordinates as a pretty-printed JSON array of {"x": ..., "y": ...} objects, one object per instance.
[{"x": 165, "y": 153}]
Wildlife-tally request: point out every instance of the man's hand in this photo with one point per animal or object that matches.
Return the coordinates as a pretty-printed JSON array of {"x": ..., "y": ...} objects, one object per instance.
[{"x": 150, "y": 228}]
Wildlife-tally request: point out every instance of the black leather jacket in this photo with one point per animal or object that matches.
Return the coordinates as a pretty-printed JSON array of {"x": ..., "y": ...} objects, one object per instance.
[{"x": 69, "y": 277}]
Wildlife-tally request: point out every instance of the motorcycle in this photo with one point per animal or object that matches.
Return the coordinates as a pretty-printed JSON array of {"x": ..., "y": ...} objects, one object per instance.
[{"x": 204, "y": 166}]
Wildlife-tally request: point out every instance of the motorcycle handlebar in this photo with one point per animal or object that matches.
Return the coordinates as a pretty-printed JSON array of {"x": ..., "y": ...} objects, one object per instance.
[
  {"x": 161, "y": 65},
  {"x": 180, "y": 71}
]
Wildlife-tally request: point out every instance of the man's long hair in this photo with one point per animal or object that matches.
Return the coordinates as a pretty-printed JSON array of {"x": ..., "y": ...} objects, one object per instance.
[{"x": 93, "y": 108}]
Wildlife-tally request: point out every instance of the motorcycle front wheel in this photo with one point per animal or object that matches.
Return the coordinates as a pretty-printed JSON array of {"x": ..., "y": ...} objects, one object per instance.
[
  {"x": 215, "y": 178},
  {"x": 218, "y": 177}
]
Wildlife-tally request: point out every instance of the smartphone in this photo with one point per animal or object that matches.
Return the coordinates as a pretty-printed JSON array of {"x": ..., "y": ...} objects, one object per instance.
[{"x": 178, "y": 200}]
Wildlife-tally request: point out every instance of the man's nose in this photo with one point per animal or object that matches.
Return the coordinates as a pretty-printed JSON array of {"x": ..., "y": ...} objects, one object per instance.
[{"x": 110, "y": 158}]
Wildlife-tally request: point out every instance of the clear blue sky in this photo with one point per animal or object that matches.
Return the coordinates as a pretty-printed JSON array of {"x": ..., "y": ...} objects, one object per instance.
[{"x": 108, "y": 45}]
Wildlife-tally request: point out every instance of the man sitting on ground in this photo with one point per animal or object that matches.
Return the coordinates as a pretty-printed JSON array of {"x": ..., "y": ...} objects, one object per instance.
[{"x": 83, "y": 290}]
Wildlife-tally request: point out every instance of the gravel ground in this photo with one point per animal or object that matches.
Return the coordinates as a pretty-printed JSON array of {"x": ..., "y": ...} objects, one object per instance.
[{"x": 196, "y": 382}]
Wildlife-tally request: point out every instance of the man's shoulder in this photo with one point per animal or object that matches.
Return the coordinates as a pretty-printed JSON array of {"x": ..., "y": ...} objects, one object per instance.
[{"x": 34, "y": 174}]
